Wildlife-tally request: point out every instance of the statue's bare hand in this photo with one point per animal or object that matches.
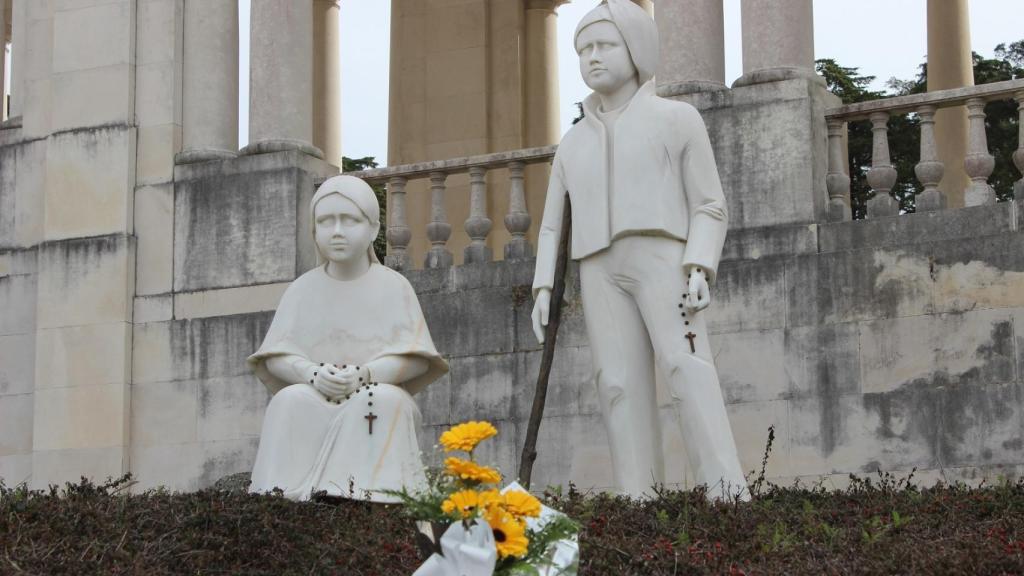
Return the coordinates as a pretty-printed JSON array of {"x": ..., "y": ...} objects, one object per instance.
[
  {"x": 330, "y": 381},
  {"x": 541, "y": 310},
  {"x": 354, "y": 376},
  {"x": 698, "y": 294}
]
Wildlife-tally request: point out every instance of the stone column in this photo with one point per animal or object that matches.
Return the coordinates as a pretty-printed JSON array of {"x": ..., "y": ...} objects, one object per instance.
[
  {"x": 5, "y": 6},
  {"x": 692, "y": 37},
  {"x": 210, "y": 82},
  {"x": 281, "y": 77},
  {"x": 541, "y": 117},
  {"x": 19, "y": 46},
  {"x": 541, "y": 46},
  {"x": 778, "y": 41},
  {"x": 950, "y": 66},
  {"x": 1018, "y": 155},
  {"x": 327, "y": 79}
]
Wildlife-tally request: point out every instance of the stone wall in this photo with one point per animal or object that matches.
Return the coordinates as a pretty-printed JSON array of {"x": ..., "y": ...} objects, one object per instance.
[
  {"x": 130, "y": 299},
  {"x": 890, "y": 344}
]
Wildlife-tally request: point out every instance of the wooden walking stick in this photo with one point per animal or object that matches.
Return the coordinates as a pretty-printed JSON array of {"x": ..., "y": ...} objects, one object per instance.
[{"x": 550, "y": 334}]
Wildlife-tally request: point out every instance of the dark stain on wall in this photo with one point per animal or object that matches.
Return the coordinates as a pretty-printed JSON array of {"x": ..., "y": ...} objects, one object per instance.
[{"x": 217, "y": 347}]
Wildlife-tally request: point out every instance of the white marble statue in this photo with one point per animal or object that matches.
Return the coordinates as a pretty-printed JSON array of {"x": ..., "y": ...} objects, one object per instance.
[
  {"x": 346, "y": 351},
  {"x": 648, "y": 225}
]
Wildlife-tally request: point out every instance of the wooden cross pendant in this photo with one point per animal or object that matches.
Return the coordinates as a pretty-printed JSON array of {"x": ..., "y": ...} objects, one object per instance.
[
  {"x": 369, "y": 419},
  {"x": 691, "y": 337}
]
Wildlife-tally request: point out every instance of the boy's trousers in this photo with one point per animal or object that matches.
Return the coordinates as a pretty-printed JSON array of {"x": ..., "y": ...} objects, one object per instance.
[{"x": 631, "y": 294}]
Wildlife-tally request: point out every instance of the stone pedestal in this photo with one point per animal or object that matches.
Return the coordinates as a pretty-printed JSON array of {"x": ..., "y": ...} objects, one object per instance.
[{"x": 769, "y": 141}]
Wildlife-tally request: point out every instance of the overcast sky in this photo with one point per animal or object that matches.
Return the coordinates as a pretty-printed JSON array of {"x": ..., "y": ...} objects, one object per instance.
[{"x": 884, "y": 38}]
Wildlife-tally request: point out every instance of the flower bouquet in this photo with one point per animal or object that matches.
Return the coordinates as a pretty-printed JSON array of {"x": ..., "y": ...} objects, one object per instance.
[{"x": 479, "y": 529}]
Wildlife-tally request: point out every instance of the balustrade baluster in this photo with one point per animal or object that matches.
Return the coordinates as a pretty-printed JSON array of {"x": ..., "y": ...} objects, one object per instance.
[
  {"x": 398, "y": 231},
  {"x": 881, "y": 176},
  {"x": 929, "y": 170},
  {"x": 439, "y": 230},
  {"x": 979, "y": 163},
  {"x": 1018, "y": 155},
  {"x": 837, "y": 180},
  {"x": 478, "y": 225},
  {"x": 517, "y": 221}
]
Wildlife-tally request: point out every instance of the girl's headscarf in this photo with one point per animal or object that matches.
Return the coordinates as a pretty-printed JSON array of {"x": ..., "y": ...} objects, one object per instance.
[
  {"x": 360, "y": 194},
  {"x": 637, "y": 29}
]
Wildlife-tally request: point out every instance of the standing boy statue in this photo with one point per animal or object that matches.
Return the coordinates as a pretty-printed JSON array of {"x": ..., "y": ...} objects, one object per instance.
[{"x": 648, "y": 224}]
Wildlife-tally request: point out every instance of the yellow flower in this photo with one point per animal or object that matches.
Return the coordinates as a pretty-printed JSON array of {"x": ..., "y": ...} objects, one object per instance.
[
  {"x": 465, "y": 502},
  {"x": 509, "y": 533},
  {"x": 490, "y": 498},
  {"x": 468, "y": 470},
  {"x": 520, "y": 504},
  {"x": 467, "y": 436}
]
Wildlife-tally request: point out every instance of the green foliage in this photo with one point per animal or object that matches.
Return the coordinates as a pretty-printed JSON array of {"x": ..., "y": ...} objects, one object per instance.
[
  {"x": 878, "y": 525},
  {"x": 540, "y": 548},
  {"x": 380, "y": 244},
  {"x": 904, "y": 133},
  {"x": 426, "y": 506}
]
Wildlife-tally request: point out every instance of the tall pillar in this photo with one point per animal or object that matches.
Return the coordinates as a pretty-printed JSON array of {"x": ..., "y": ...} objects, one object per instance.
[
  {"x": 18, "y": 60},
  {"x": 281, "y": 77},
  {"x": 541, "y": 46},
  {"x": 5, "y": 6},
  {"x": 692, "y": 37},
  {"x": 210, "y": 83},
  {"x": 327, "y": 79},
  {"x": 778, "y": 40},
  {"x": 950, "y": 66},
  {"x": 540, "y": 105}
]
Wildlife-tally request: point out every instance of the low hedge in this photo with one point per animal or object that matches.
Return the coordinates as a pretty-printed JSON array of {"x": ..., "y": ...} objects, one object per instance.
[{"x": 876, "y": 526}]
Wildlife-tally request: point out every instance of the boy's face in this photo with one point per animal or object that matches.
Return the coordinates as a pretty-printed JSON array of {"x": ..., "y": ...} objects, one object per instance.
[{"x": 605, "y": 63}]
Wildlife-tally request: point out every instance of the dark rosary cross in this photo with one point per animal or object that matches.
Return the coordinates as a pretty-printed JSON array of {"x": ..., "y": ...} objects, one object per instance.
[
  {"x": 369, "y": 420},
  {"x": 689, "y": 335}
]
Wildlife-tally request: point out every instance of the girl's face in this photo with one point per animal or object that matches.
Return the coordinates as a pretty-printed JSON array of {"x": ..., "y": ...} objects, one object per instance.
[{"x": 342, "y": 232}]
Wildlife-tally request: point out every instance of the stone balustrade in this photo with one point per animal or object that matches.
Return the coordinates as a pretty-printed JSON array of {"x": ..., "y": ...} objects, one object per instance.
[
  {"x": 477, "y": 226},
  {"x": 978, "y": 163}
]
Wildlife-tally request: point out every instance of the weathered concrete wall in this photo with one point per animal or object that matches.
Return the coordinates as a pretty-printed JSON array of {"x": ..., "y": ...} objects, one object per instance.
[
  {"x": 239, "y": 233},
  {"x": 131, "y": 294},
  {"x": 21, "y": 193},
  {"x": 891, "y": 344}
]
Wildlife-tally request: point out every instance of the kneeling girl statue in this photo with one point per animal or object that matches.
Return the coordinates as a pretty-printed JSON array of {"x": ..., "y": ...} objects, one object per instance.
[{"x": 347, "y": 349}]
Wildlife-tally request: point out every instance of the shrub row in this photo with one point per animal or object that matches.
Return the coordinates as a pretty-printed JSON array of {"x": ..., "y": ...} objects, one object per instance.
[{"x": 878, "y": 526}]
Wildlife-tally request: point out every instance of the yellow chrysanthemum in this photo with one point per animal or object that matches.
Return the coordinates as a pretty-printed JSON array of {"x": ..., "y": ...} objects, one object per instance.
[
  {"x": 509, "y": 534},
  {"x": 490, "y": 498},
  {"x": 520, "y": 504},
  {"x": 466, "y": 436},
  {"x": 467, "y": 470},
  {"x": 465, "y": 502}
]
